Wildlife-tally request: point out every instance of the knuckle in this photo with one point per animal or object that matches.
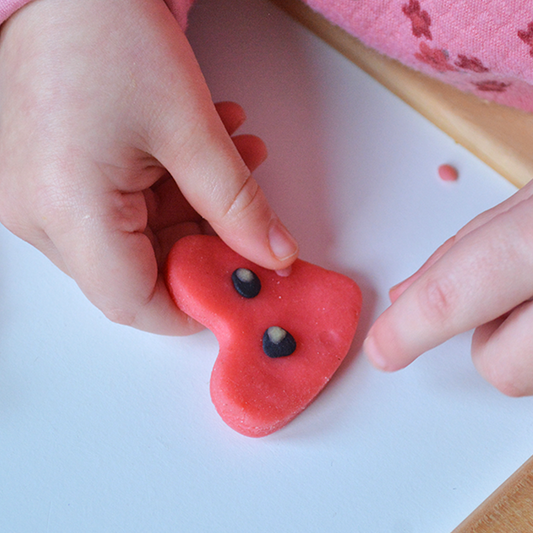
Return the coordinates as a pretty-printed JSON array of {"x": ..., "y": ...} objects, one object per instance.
[
  {"x": 126, "y": 310},
  {"x": 128, "y": 212},
  {"x": 438, "y": 300},
  {"x": 244, "y": 199}
]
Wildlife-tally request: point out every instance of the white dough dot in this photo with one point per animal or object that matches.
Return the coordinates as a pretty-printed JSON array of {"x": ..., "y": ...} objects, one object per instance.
[
  {"x": 276, "y": 334},
  {"x": 245, "y": 275}
]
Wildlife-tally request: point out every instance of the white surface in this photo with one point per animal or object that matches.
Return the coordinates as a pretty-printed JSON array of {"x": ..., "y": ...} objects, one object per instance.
[{"x": 106, "y": 429}]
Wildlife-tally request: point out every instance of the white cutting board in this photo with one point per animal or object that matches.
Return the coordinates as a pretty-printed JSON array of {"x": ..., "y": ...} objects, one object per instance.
[{"x": 106, "y": 429}]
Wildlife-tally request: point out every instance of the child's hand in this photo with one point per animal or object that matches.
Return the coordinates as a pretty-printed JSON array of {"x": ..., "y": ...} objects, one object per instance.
[
  {"x": 103, "y": 111},
  {"x": 481, "y": 278}
]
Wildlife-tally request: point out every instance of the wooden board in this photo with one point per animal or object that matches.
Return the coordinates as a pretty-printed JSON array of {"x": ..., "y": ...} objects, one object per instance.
[
  {"x": 501, "y": 137},
  {"x": 508, "y": 510}
]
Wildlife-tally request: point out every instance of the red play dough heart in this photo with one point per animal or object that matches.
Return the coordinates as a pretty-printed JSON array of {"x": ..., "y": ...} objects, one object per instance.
[{"x": 254, "y": 393}]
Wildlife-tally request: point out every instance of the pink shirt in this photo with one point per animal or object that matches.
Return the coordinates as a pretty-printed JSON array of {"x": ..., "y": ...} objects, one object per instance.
[
  {"x": 8, "y": 7},
  {"x": 480, "y": 46}
]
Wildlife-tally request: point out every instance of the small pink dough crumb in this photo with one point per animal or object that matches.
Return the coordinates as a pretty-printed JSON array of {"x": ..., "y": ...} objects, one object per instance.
[
  {"x": 448, "y": 173},
  {"x": 284, "y": 272}
]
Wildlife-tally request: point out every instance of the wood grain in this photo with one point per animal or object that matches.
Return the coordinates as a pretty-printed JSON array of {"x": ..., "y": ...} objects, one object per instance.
[
  {"x": 500, "y": 136},
  {"x": 508, "y": 510}
]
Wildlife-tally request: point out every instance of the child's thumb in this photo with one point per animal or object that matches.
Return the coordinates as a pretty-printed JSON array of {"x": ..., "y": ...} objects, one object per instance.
[{"x": 215, "y": 180}]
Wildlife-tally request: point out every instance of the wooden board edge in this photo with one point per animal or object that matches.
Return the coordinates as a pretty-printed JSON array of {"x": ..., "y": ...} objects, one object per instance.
[
  {"x": 509, "y": 509},
  {"x": 486, "y": 129}
]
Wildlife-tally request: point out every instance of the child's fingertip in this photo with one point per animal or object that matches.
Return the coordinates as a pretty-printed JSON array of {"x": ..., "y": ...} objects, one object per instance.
[
  {"x": 282, "y": 244},
  {"x": 374, "y": 354}
]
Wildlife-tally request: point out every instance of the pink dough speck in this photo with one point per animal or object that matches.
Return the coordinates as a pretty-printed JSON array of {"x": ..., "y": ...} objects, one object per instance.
[{"x": 448, "y": 173}]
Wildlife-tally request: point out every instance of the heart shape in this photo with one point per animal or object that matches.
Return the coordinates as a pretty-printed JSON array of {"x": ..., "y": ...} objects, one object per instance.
[{"x": 256, "y": 386}]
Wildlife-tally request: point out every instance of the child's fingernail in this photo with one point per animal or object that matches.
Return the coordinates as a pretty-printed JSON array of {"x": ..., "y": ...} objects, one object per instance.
[
  {"x": 373, "y": 353},
  {"x": 282, "y": 244},
  {"x": 394, "y": 292}
]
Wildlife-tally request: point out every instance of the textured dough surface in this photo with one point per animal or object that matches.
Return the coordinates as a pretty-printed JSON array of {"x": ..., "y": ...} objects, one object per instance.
[{"x": 253, "y": 393}]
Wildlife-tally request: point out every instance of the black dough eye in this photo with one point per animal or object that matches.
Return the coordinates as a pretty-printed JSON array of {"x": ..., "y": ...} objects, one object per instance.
[
  {"x": 246, "y": 283},
  {"x": 278, "y": 342}
]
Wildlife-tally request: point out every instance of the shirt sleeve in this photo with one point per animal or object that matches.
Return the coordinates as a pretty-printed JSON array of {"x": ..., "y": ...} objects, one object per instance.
[
  {"x": 179, "y": 8},
  {"x": 8, "y": 7}
]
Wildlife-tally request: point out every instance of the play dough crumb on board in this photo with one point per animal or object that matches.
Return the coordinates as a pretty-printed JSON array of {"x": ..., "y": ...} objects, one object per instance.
[{"x": 448, "y": 173}]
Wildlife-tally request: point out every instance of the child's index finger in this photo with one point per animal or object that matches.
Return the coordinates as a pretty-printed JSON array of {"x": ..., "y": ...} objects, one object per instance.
[{"x": 479, "y": 278}]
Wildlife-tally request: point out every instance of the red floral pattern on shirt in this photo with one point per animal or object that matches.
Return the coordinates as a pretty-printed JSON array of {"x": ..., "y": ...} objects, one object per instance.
[
  {"x": 420, "y": 20},
  {"x": 439, "y": 59},
  {"x": 470, "y": 63},
  {"x": 434, "y": 57},
  {"x": 527, "y": 37},
  {"x": 491, "y": 86}
]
